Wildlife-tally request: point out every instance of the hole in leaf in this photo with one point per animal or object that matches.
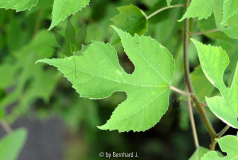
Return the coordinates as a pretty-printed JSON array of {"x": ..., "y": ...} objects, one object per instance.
[{"x": 126, "y": 64}]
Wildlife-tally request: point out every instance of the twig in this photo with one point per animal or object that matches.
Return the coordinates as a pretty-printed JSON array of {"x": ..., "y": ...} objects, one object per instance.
[
  {"x": 195, "y": 137},
  {"x": 6, "y": 126},
  {"x": 162, "y": 9},
  {"x": 37, "y": 26},
  {"x": 188, "y": 81},
  {"x": 204, "y": 32},
  {"x": 180, "y": 91}
]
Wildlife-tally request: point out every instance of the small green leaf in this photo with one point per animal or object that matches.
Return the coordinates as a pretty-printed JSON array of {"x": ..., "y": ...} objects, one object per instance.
[
  {"x": 100, "y": 74},
  {"x": 64, "y": 8},
  {"x": 228, "y": 144},
  {"x": 214, "y": 60},
  {"x": 230, "y": 7},
  {"x": 11, "y": 145},
  {"x": 19, "y": 5},
  {"x": 199, "y": 153},
  {"x": 168, "y": 2},
  {"x": 130, "y": 19},
  {"x": 198, "y": 8}
]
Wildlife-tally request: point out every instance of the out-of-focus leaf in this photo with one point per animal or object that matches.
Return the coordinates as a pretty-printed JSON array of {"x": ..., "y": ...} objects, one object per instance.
[
  {"x": 11, "y": 145},
  {"x": 130, "y": 19}
]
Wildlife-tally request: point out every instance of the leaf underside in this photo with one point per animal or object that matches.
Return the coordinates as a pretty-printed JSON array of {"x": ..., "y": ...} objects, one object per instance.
[{"x": 100, "y": 74}]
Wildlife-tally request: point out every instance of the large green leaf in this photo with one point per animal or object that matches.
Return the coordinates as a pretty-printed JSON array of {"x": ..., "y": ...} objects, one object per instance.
[
  {"x": 198, "y": 8},
  {"x": 228, "y": 144},
  {"x": 64, "y": 8},
  {"x": 130, "y": 19},
  {"x": 10, "y": 145},
  {"x": 230, "y": 7},
  {"x": 19, "y": 5},
  {"x": 99, "y": 75},
  {"x": 214, "y": 60}
]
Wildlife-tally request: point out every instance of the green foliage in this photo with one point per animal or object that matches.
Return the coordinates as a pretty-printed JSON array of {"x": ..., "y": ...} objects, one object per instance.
[
  {"x": 130, "y": 19},
  {"x": 11, "y": 145},
  {"x": 199, "y": 8},
  {"x": 227, "y": 144},
  {"x": 105, "y": 76},
  {"x": 230, "y": 7},
  {"x": 214, "y": 60},
  {"x": 64, "y": 8},
  {"x": 19, "y": 5}
]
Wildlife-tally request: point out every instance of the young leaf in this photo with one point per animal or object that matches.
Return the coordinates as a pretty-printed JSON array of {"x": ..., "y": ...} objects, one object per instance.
[
  {"x": 19, "y": 5},
  {"x": 228, "y": 144},
  {"x": 214, "y": 60},
  {"x": 99, "y": 75},
  {"x": 11, "y": 145},
  {"x": 130, "y": 19},
  {"x": 230, "y": 7},
  {"x": 198, "y": 8},
  {"x": 64, "y": 8}
]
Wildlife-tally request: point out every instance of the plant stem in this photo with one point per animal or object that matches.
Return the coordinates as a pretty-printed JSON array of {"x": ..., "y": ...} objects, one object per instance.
[
  {"x": 162, "y": 9},
  {"x": 187, "y": 77},
  {"x": 195, "y": 137},
  {"x": 204, "y": 32},
  {"x": 180, "y": 91},
  {"x": 6, "y": 126}
]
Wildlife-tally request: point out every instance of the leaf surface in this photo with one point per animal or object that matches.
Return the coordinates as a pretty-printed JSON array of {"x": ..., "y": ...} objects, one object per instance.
[
  {"x": 198, "y": 8},
  {"x": 147, "y": 88},
  {"x": 214, "y": 60},
  {"x": 64, "y": 8},
  {"x": 199, "y": 153},
  {"x": 228, "y": 144},
  {"x": 19, "y": 5},
  {"x": 11, "y": 144}
]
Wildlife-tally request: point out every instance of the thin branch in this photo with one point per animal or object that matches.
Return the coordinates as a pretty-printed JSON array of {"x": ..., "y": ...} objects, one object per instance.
[
  {"x": 195, "y": 137},
  {"x": 188, "y": 81},
  {"x": 6, "y": 126},
  {"x": 223, "y": 131},
  {"x": 162, "y": 9},
  {"x": 180, "y": 91},
  {"x": 204, "y": 32}
]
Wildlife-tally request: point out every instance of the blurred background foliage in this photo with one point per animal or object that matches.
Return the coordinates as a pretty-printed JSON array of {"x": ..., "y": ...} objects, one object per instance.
[{"x": 38, "y": 90}]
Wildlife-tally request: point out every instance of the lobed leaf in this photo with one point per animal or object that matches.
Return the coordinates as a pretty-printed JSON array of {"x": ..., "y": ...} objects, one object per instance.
[
  {"x": 64, "y": 8},
  {"x": 214, "y": 60},
  {"x": 11, "y": 145},
  {"x": 99, "y": 75},
  {"x": 19, "y": 5},
  {"x": 228, "y": 144}
]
